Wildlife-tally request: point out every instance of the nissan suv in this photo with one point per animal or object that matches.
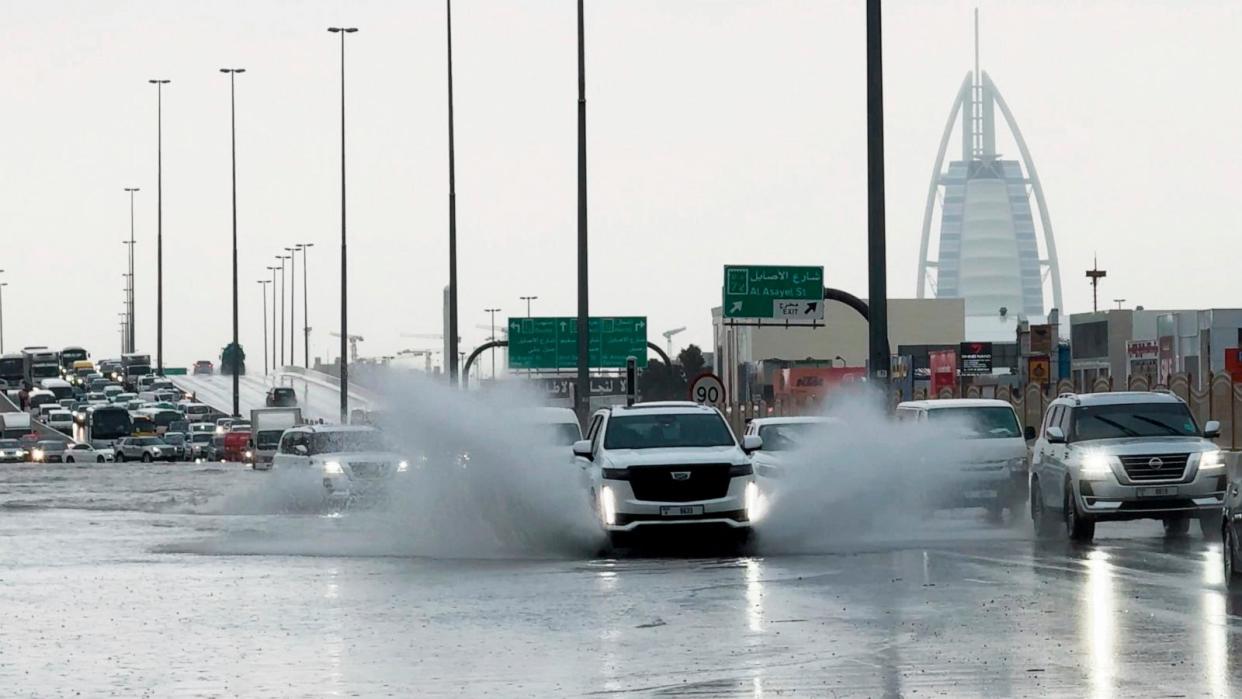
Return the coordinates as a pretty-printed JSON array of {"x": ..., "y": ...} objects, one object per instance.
[
  {"x": 1123, "y": 456},
  {"x": 652, "y": 466}
]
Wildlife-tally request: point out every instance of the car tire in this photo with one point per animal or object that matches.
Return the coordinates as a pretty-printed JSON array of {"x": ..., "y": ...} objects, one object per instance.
[
  {"x": 1045, "y": 523},
  {"x": 1079, "y": 528},
  {"x": 120, "y": 457},
  {"x": 1177, "y": 526},
  {"x": 99, "y": 460},
  {"x": 1210, "y": 526},
  {"x": 69, "y": 459},
  {"x": 146, "y": 458},
  {"x": 620, "y": 540},
  {"x": 1233, "y": 580}
]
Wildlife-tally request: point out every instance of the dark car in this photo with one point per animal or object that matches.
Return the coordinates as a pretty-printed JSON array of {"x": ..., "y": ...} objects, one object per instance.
[
  {"x": 204, "y": 366},
  {"x": 281, "y": 397},
  {"x": 1231, "y": 546}
]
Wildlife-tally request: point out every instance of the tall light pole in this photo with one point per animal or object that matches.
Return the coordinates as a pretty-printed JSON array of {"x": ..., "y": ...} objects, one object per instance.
[
  {"x": 129, "y": 325},
  {"x": 451, "y": 330},
  {"x": 282, "y": 259},
  {"x": 293, "y": 313},
  {"x": 232, "y": 72},
  {"x": 159, "y": 223},
  {"x": 344, "y": 257},
  {"x": 124, "y": 329},
  {"x": 263, "y": 285},
  {"x": 2, "y": 285},
  {"x": 129, "y": 295},
  {"x": 493, "y": 312},
  {"x": 582, "y": 394},
  {"x": 273, "y": 269},
  {"x": 877, "y": 274},
  {"x": 305, "y": 307},
  {"x": 528, "y": 299}
]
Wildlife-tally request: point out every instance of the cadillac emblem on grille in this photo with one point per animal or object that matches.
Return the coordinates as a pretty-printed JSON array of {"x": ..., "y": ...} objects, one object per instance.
[
  {"x": 681, "y": 475},
  {"x": 1156, "y": 463}
]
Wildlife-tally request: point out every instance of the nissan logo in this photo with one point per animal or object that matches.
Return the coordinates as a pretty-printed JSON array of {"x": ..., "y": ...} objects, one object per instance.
[
  {"x": 681, "y": 475},
  {"x": 1156, "y": 463}
]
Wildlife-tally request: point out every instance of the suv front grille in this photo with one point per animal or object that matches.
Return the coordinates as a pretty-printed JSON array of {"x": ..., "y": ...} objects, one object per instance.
[
  {"x": 369, "y": 469},
  {"x": 1155, "y": 467},
  {"x": 657, "y": 483}
]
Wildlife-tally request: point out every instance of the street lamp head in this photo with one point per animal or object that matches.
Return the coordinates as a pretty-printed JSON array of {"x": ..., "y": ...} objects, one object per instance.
[
  {"x": 347, "y": 30},
  {"x": 159, "y": 81},
  {"x": 232, "y": 70},
  {"x": 132, "y": 189}
]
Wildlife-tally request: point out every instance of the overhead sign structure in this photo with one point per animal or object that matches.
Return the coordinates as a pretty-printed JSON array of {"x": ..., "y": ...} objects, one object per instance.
[
  {"x": 552, "y": 342},
  {"x": 976, "y": 358},
  {"x": 707, "y": 389},
  {"x": 774, "y": 292}
]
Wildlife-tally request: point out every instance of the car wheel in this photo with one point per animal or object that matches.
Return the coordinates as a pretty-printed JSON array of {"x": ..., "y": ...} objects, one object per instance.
[
  {"x": 1045, "y": 523},
  {"x": 99, "y": 459},
  {"x": 1176, "y": 526},
  {"x": 120, "y": 457},
  {"x": 1233, "y": 580},
  {"x": 1079, "y": 528},
  {"x": 620, "y": 540},
  {"x": 68, "y": 459},
  {"x": 146, "y": 458},
  {"x": 1210, "y": 525}
]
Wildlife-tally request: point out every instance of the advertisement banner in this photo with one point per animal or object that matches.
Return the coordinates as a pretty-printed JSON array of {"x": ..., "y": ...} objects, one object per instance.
[
  {"x": 808, "y": 382},
  {"x": 1039, "y": 370},
  {"x": 976, "y": 358},
  {"x": 1166, "y": 359},
  {"x": 943, "y": 365}
]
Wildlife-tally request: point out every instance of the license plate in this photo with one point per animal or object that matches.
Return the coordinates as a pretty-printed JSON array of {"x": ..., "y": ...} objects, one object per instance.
[
  {"x": 1157, "y": 492},
  {"x": 681, "y": 510},
  {"x": 980, "y": 494}
]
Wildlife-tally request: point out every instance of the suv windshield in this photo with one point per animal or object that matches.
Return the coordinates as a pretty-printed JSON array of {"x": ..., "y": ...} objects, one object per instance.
[
  {"x": 1133, "y": 420},
  {"x": 983, "y": 422},
  {"x": 787, "y": 436},
  {"x": 8, "y": 444},
  {"x": 667, "y": 430},
  {"x": 333, "y": 442}
]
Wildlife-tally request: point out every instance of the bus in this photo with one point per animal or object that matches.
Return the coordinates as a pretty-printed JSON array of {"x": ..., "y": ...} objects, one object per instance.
[
  {"x": 105, "y": 424},
  {"x": 13, "y": 368},
  {"x": 69, "y": 355},
  {"x": 41, "y": 363}
]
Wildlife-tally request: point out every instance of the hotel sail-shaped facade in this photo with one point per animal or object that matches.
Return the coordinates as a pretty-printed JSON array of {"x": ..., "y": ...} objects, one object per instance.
[{"x": 988, "y": 239}]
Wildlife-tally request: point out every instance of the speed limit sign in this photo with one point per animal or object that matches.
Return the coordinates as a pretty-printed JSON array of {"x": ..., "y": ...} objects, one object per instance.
[{"x": 707, "y": 389}]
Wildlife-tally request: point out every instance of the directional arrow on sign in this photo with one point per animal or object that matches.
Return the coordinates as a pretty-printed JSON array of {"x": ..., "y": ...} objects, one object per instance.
[
  {"x": 736, "y": 307},
  {"x": 810, "y": 308}
]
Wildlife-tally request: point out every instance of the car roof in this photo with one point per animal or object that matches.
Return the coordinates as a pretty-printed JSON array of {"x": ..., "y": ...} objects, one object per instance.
[
  {"x": 1118, "y": 398},
  {"x": 554, "y": 416},
  {"x": 671, "y": 407},
  {"x": 795, "y": 420},
  {"x": 943, "y": 403}
]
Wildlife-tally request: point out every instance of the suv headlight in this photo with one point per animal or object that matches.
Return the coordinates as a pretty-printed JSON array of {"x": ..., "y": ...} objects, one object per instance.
[
  {"x": 333, "y": 467},
  {"x": 403, "y": 466},
  {"x": 1097, "y": 464},
  {"x": 1211, "y": 460}
]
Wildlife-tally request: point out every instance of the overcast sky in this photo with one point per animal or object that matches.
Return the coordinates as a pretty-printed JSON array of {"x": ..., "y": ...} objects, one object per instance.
[{"x": 720, "y": 131}]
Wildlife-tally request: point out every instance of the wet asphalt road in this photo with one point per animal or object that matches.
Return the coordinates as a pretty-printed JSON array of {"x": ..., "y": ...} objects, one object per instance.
[{"x": 176, "y": 580}]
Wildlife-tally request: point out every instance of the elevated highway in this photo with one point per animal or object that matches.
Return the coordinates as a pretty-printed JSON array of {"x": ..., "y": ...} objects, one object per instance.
[{"x": 318, "y": 393}]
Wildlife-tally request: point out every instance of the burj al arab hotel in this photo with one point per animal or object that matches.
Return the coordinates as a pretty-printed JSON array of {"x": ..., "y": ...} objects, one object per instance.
[{"x": 990, "y": 249}]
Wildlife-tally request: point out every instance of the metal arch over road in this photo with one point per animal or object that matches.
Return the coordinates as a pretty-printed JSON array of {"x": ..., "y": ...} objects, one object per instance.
[{"x": 465, "y": 370}]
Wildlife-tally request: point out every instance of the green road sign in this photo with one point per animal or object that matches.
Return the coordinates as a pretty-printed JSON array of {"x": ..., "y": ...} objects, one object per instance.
[
  {"x": 781, "y": 293},
  {"x": 552, "y": 342}
]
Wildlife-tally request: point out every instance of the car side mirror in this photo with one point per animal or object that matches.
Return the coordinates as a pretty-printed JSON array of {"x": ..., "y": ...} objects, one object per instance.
[
  {"x": 1029, "y": 433},
  {"x": 752, "y": 443},
  {"x": 582, "y": 448},
  {"x": 300, "y": 450},
  {"x": 1056, "y": 435},
  {"x": 1212, "y": 429}
]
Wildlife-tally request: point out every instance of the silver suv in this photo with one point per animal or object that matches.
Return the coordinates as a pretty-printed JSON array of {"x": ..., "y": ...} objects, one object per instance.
[{"x": 1122, "y": 456}]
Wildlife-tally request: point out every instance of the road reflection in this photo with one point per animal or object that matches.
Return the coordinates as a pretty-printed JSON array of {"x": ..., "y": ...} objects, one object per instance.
[
  {"x": 1214, "y": 623},
  {"x": 1097, "y": 623},
  {"x": 754, "y": 617}
]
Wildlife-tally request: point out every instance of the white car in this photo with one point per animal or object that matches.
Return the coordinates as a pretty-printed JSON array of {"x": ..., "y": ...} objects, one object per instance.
[
  {"x": 60, "y": 420},
  {"x": 342, "y": 462},
  {"x": 782, "y": 436},
  {"x": 666, "y": 464},
  {"x": 993, "y": 468},
  {"x": 85, "y": 453}
]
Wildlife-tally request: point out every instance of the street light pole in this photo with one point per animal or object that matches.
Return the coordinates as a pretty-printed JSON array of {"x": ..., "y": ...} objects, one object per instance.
[
  {"x": 451, "y": 330},
  {"x": 233, "y": 142},
  {"x": 877, "y": 286},
  {"x": 263, "y": 285},
  {"x": 159, "y": 224},
  {"x": 130, "y": 321},
  {"x": 493, "y": 312},
  {"x": 528, "y": 299},
  {"x": 305, "y": 308},
  {"x": 129, "y": 295},
  {"x": 582, "y": 394},
  {"x": 293, "y": 309},
  {"x": 2, "y": 285},
  {"x": 281, "y": 336},
  {"x": 344, "y": 388},
  {"x": 273, "y": 269}
]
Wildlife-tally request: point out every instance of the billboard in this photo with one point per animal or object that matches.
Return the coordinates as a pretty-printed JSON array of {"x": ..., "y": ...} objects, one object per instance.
[
  {"x": 814, "y": 382},
  {"x": 976, "y": 358},
  {"x": 943, "y": 366}
]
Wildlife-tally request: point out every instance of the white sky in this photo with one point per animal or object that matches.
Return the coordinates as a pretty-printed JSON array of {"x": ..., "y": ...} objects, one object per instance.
[{"x": 720, "y": 131}]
